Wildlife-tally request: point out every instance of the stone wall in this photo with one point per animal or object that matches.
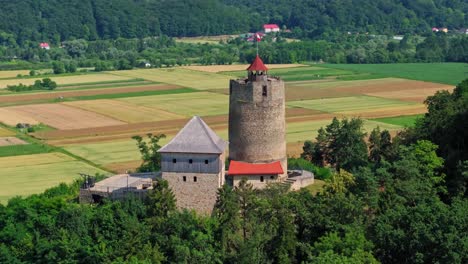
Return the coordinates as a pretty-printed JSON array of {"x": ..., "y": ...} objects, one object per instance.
[
  {"x": 199, "y": 195},
  {"x": 255, "y": 180},
  {"x": 257, "y": 127}
]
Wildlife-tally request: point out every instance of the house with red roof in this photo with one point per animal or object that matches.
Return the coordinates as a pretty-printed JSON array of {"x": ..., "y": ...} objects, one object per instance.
[
  {"x": 44, "y": 45},
  {"x": 258, "y": 174},
  {"x": 267, "y": 28}
]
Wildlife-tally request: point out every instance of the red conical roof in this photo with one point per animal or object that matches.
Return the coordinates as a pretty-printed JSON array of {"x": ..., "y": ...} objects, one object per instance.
[{"x": 257, "y": 65}]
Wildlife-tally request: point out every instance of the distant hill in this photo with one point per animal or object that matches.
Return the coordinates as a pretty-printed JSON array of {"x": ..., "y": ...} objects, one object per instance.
[{"x": 54, "y": 20}]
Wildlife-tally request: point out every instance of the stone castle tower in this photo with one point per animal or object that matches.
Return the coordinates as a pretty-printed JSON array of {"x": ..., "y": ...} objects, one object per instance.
[{"x": 257, "y": 128}]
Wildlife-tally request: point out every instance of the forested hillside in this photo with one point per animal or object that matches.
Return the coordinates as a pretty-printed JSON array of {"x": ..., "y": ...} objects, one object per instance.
[{"x": 53, "y": 20}]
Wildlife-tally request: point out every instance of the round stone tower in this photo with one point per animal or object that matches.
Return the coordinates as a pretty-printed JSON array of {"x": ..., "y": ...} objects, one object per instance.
[{"x": 257, "y": 128}]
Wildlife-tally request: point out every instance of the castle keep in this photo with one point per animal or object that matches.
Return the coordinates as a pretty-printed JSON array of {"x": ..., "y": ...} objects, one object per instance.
[{"x": 257, "y": 128}]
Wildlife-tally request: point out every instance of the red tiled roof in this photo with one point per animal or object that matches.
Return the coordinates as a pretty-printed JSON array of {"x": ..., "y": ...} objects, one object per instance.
[
  {"x": 257, "y": 65},
  {"x": 270, "y": 26},
  {"x": 243, "y": 168},
  {"x": 44, "y": 44}
]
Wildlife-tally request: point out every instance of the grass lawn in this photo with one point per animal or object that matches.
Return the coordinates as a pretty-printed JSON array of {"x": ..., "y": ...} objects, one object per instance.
[
  {"x": 347, "y": 104},
  {"x": 25, "y": 175},
  {"x": 448, "y": 73},
  {"x": 404, "y": 121},
  {"x": 189, "y": 104},
  {"x": 316, "y": 187},
  {"x": 182, "y": 77}
]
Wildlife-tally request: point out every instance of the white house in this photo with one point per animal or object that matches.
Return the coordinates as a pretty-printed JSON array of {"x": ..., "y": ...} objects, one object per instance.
[{"x": 271, "y": 28}]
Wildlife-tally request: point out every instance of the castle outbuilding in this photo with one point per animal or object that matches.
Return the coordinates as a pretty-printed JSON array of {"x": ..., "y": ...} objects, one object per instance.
[
  {"x": 193, "y": 165},
  {"x": 257, "y": 127}
]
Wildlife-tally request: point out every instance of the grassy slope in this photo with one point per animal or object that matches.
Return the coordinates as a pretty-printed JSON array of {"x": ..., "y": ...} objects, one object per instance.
[
  {"x": 447, "y": 73},
  {"x": 404, "y": 121}
]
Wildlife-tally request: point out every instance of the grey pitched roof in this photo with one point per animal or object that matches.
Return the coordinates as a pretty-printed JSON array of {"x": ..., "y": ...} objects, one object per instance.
[{"x": 195, "y": 137}]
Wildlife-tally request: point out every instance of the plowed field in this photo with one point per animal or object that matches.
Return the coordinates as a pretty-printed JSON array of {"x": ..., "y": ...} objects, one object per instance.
[
  {"x": 124, "y": 111},
  {"x": 58, "y": 116},
  {"x": 10, "y": 141}
]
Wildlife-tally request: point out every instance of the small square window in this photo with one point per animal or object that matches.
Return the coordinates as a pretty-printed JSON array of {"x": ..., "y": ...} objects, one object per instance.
[
  {"x": 206, "y": 161},
  {"x": 174, "y": 161},
  {"x": 195, "y": 179},
  {"x": 190, "y": 161},
  {"x": 184, "y": 178},
  {"x": 272, "y": 177}
]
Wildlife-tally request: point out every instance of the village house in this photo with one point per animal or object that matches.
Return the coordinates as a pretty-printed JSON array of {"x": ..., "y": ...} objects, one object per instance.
[
  {"x": 267, "y": 28},
  {"x": 44, "y": 45}
]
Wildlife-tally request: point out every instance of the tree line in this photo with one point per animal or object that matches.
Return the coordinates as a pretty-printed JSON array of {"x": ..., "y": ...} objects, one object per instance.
[
  {"x": 389, "y": 200},
  {"x": 56, "y": 21},
  {"x": 123, "y": 54}
]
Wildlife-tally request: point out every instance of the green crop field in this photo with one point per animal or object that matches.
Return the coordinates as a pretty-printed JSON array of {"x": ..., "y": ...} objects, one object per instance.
[
  {"x": 347, "y": 104},
  {"x": 108, "y": 152},
  {"x": 17, "y": 150},
  {"x": 404, "y": 121},
  {"x": 25, "y": 175},
  {"x": 190, "y": 104},
  {"x": 448, "y": 73},
  {"x": 182, "y": 77}
]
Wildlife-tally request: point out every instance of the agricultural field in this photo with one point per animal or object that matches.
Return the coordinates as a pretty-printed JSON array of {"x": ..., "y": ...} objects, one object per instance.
[
  {"x": 12, "y": 74},
  {"x": 236, "y": 67},
  {"x": 66, "y": 80},
  {"x": 11, "y": 141},
  {"x": 93, "y": 121},
  {"x": 29, "y": 174},
  {"x": 183, "y": 77},
  {"x": 58, "y": 116},
  {"x": 5, "y": 132},
  {"x": 404, "y": 121},
  {"x": 351, "y": 105},
  {"x": 448, "y": 73},
  {"x": 201, "y": 103}
]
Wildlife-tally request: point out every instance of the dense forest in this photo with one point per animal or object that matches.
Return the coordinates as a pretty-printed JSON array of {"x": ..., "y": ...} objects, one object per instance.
[
  {"x": 56, "y": 21},
  {"x": 388, "y": 200}
]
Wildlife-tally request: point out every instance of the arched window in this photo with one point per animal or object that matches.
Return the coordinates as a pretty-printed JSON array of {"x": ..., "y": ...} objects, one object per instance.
[
  {"x": 264, "y": 90},
  {"x": 184, "y": 178},
  {"x": 261, "y": 179},
  {"x": 194, "y": 178}
]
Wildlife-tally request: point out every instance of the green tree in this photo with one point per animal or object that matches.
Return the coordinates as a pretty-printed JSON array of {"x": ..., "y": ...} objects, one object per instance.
[
  {"x": 149, "y": 152},
  {"x": 58, "y": 67}
]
